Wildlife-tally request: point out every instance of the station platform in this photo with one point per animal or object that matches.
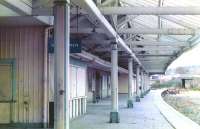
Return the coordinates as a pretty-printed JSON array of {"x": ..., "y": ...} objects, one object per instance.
[{"x": 144, "y": 115}]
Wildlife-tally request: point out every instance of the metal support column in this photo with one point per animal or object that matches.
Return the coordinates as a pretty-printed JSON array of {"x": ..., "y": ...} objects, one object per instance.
[
  {"x": 142, "y": 85},
  {"x": 145, "y": 84},
  {"x": 138, "y": 84},
  {"x": 130, "y": 83},
  {"x": 61, "y": 76},
  {"x": 148, "y": 83},
  {"x": 114, "y": 115}
]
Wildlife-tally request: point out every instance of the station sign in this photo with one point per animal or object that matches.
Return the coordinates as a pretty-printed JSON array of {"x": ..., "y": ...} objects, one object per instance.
[{"x": 75, "y": 45}]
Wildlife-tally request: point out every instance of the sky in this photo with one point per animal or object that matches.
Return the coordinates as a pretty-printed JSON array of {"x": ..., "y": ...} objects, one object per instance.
[{"x": 189, "y": 58}]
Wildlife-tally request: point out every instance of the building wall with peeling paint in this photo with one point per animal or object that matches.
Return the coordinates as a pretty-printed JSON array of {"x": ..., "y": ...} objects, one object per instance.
[{"x": 25, "y": 45}]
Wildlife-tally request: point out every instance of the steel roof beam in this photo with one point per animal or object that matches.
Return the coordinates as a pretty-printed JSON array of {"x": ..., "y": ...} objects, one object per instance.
[
  {"x": 158, "y": 59},
  {"x": 163, "y": 31},
  {"x": 167, "y": 17},
  {"x": 86, "y": 30},
  {"x": 150, "y": 10},
  {"x": 157, "y": 43},
  {"x": 141, "y": 49},
  {"x": 154, "y": 55},
  {"x": 23, "y": 9},
  {"x": 18, "y": 6},
  {"x": 96, "y": 14},
  {"x": 154, "y": 62},
  {"x": 144, "y": 43},
  {"x": 165, "y": 49},
  {"x": 178, "y": 21}
]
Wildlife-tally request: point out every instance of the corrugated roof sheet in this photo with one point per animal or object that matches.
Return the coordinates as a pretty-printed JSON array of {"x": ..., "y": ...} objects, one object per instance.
[{"x": 167, "y": 21}]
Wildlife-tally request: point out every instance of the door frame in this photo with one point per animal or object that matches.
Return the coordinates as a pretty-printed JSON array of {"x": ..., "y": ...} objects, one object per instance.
[{"x": 11, "y": 62}]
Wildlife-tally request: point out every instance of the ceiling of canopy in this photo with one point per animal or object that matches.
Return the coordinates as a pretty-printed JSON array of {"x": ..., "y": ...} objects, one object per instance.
[{"x": 155, "y": 51}]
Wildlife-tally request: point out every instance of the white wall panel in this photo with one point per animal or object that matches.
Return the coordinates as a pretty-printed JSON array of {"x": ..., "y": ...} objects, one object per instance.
[
  {"x": 78, "y": 82},
  {"x": 73, "y": 82}
]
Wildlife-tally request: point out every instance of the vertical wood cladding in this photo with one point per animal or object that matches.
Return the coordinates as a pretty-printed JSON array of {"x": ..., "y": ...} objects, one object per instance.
[{"x": 26, "y": 46}]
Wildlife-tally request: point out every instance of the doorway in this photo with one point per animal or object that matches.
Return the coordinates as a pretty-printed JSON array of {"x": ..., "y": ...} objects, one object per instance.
[
  {"x": 7, "y": 91},
  {"x": 98, "y": 86}
]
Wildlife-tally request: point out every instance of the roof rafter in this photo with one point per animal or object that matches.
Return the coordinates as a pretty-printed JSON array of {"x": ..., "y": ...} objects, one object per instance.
[{"x": 150, "y": 10}]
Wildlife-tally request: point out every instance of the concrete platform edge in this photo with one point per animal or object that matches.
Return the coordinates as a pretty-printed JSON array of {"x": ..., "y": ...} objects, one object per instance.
[{"x": 175, "y": 118}]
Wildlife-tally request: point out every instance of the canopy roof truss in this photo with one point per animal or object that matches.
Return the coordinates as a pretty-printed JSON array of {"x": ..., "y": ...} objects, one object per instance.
[
  {"x": 132, "y": 28},
  {"x": 145, "y": 28}
]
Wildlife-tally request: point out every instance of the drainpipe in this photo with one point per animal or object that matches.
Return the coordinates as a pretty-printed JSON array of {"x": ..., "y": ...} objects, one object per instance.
[{"x": 45, "y": 79}]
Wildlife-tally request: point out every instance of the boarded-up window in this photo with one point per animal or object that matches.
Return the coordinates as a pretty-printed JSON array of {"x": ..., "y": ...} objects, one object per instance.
[
  {"x": 73, "y": 82},
  {"x": 81, "y": 81},
  {"x": 77, "y": 81}
]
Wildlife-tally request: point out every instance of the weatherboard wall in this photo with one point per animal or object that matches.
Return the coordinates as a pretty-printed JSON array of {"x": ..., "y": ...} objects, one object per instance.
[{"x": 25, "y": 45}]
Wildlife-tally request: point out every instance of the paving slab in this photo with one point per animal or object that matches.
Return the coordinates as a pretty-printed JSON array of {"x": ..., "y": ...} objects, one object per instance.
[{"x": 144, "y": 115}]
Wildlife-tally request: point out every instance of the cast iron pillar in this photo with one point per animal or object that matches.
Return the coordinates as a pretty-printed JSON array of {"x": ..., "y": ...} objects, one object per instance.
[
  {"x": 145, "y": 84},
  {"x": 61, "y": 67},
  {"x": 130, "y": 83},
  {"x": 142, "y": 85},
  {"x": 114, "y": 115},
  {"x": 138, "y": 84}
]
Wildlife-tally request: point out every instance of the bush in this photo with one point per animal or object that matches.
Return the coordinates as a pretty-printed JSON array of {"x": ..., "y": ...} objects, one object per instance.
[{"x": 195, "y": 88}]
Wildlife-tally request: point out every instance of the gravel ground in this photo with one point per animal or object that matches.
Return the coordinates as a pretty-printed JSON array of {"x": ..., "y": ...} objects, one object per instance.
[{"x": 187, "y": 102}]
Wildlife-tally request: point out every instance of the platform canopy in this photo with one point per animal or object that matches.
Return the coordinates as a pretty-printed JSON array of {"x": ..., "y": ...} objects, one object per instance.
[{"x": 153, "y": 32}]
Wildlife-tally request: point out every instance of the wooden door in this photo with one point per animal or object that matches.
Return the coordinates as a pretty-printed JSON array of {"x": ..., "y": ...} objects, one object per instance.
[{"x": 5, "y": 93}]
